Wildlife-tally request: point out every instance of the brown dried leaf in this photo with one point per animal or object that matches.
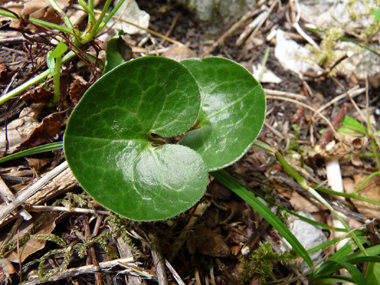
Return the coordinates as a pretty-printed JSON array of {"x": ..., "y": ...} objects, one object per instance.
[
  {"x": 370, "y": 190},
  {"x": 299, "y": 202},
  {"x": 32, "y": 246},
  {"x": 39, "y": 9},
  {"x": 179, "y": 53},
  {"x": 45, "y": 132},
  {"x": 19, "y": 129},
  {"x": 6, "y": 269},
  {"x": 77, "y": 89},
  {"x": 3, "y": 71},
  {"x": 38, "y": 96}
]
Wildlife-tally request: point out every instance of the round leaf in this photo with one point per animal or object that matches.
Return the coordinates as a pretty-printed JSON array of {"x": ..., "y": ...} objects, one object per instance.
[
  {"x": 109, "y": 147},
  {"x": 232, "y": 111}
]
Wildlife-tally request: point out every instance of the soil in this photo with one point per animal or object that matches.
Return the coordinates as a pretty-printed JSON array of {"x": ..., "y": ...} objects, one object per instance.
[{"x": 212, "y": 251}]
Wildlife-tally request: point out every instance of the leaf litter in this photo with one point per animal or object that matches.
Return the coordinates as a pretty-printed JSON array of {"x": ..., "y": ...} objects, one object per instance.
[{"x": 216, "y": 233}]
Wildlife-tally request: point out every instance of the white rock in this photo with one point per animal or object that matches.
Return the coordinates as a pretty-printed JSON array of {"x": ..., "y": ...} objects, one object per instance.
[
  {"x": 308, "y": 235},
  {"x": 268, "y": 75},
  {"x": 291, "y": 55},
  {"x": 131, "y": 14}
]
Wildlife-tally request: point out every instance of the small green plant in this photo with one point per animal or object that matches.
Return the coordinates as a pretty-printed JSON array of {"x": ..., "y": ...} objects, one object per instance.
[
  {"x": 117, "y": 140},
  {"x": 74, "y": 39},
  {"x": 143, "y": 138},
  {"x": 260, "y": 260}
]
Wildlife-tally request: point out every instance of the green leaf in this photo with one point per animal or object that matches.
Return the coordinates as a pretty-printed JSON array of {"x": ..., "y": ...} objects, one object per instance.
[
  {"x": 51, "y": 57},
  {"x": 353, "y": 124},
  {"x": 266, "y": 213},
  {"x": 377, "y": 14},
  {"x": 117, "y": 52},
  {"x": 348, "y": 131},
  {"x": 60, "y": 49},
  {"x": 232, "y": 111},
  {"x": 110, "y": 146},
  {"x": 373, "y": 273}
]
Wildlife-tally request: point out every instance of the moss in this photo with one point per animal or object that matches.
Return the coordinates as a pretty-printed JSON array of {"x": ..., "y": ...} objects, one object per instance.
[
  {"x": 326, "y": 56},
  {"x": 260, "y": 260}
]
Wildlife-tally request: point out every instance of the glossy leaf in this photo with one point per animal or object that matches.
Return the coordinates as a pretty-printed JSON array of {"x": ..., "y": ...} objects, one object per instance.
[
  {"x": 111, "y": 150},
  {"x": 232, "y": 111}
]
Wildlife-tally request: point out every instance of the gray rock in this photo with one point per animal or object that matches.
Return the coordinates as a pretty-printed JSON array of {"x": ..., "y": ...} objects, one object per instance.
[{"x": 214, "y": 16}]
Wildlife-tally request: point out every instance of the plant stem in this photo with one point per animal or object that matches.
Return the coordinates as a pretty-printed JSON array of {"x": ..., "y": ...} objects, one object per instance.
[
  {"x": 110, "y": 15},
  {"x": 40, "y": 22},
  {"x": 100, "y": 19},
  {"x": 301, "y": 181},
  {"x": 33, "y": 81},
  {"x": 62, "y": 14},
  {"x": 91, "y": 15},
  {"x": 56, "y": 81},
  {"x": 365, "y": 181}
]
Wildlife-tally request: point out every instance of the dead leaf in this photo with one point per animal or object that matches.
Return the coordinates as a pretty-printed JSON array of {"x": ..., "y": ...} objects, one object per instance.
[
  {"x": 6, "y": 269},
  {"x": 179, "y": 53},
  {"x": 299, "y": 202},
  {"x": 45, "y": 132},
  {"x": 39, "y": 9},
  {"x": 210, "y": 242},
  {"x": 38, "y": 96},
  {"x": 38, "y": 163},
  {"x": 32, "y": 246},
  {"x": 370, "y": 190},
  {"x": 19, "y": 129},
  {"x": 77, "y": 89},
  {"x": 3, "y": 71}
]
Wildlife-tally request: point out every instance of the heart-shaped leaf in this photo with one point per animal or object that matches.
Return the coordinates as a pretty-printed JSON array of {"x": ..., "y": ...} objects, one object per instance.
[
  {"x": 111, "y": 150},
  {"x": 232, "y": 111}
]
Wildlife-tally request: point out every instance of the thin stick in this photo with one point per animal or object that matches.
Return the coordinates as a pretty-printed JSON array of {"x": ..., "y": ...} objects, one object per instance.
[
  {"x": 158, "y": 260},
  {"x": 174, "y": 273},
  {"x": 170, "y": 29},
  {"x": 37, "y": 208},
  {"x": 285, "y": 94},
  {"x": 299, "y": 29},
  {"x": 8, "y": 197},
  {"x": 326, "y": 137},
  {"x": 29, "y": 192},
  {"x": 251, "y": 37},
  {"x": 306, "y": 106},
  {"x": 84, "y": 270},
  {"x": 353, "y": 92}
]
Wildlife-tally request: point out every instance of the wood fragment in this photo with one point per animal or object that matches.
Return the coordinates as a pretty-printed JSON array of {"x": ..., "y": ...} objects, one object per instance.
[
  {"x": 8, "y": 197},
  {"x": 126, "y": 252},
  {"x": 92, "y": 255},
  {"x": 85, "y": 270},
  {"x": 174, "y": 273},
  {"x": 30, "y": 191},
  {"x": 158, "y": 260},
  {"x": 167, "y": 35}
]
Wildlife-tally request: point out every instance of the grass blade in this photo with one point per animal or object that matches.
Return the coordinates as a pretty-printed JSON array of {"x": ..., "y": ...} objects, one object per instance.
[
  {"x": 255, "y": 203},
  {"x": 33, "y": 150}
]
